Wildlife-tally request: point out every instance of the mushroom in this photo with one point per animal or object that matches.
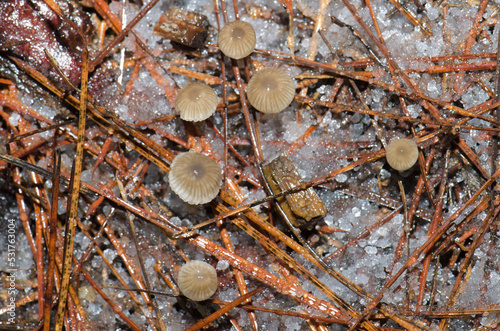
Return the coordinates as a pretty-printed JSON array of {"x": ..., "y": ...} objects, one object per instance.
[
  {"x": 237, "y": 39},
  {"x": 195, "y": 177},
  {"x": 196, "y": 102},
  {"x": 197, "y": 280},
  {"x": 402, "y": 154},
  {"x": 270, "y": 90}
]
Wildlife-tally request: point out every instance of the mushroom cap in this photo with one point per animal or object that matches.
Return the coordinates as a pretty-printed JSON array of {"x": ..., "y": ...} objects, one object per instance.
[
  {"x": 197, "y": 280},
  {"x": 237, "y": 39},
  {"x": 195, "y": 177},
  {"x": 196, "y": 102},
  {"x": 270, "y": 90},
  {"x": 402, "y": 154}
]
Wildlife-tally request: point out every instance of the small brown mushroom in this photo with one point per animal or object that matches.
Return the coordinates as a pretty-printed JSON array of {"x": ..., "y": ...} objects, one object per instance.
[
  {"x": 196, "y": 102},
  {"x": 195, "y": 178},
  {"x": 237, "y": 39},
  {"x": 197, "y": 280},
  {"x": 270, "y": 90},
  {"x": 402, "y": 154}
]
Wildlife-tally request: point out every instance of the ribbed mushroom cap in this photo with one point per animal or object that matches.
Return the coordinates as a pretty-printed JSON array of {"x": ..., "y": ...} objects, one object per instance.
[
  {"x": 237, "y": 39},
  {"x": 196, "y": 102},
  {"x": 270, "y": 90},
  {"x": 197, "y": 280},
  {"x": 402, "y": 154},
  {"x": 195, "y": 178}
]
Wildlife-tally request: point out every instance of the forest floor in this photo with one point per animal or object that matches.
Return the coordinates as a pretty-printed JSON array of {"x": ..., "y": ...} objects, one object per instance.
[{"x": 93, "y": 237}]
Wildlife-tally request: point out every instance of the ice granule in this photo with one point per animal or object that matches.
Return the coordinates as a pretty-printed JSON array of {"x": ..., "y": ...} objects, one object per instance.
[
  {"x": 341, "y": 178},
  {"x": 96, "y": 262},
  {"x": 110, "y": 254},
  {"x": 294, "y": 131},
  {"x": 380, "y": 240},
  {"x": 433, "y": 88},
  {"x": 328, "y": 219},
  {"x": 23, "y": 250},
  {"x": 362, "y": 279},
  {"x": 339, "y": 235},
  {"x": 268, "y": 33},
  {"x": 344, "y": 224},
  {"x": 175, "y": 220},
  {"x": 94, "y": 309},
  {"x": 414, "y": 110},
  {"x": 491, "y": 295},
  {"x": 84, "y": 241},
  {"x": 382, "y": 231},
  {"x": 14, "y": 119},
  {"x": 86, "y": 176},
  {"x": 474, "y": 96},
  {"x": 432, "y": 11},
  {"x": 228, "y": 294},
  {"x": 149, "y": 263},
  {"x": 61, "y": 207},
  {"x": 384, "y": 242},
  {"x": 371, "y": 250},
  {"x": 292, "y": 325},
  {"x": 222, "y": 265}
]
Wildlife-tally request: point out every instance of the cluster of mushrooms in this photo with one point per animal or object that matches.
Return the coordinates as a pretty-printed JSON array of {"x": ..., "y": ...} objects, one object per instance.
[{"x": 196, "y": 178}]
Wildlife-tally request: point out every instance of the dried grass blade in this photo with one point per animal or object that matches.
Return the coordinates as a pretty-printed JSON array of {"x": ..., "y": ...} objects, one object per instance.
[
  {"x": 51, "y": 248},
  {"x": 75, "y": 194}
]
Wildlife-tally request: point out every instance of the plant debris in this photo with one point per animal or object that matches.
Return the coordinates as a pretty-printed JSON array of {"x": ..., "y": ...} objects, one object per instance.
[{"x": 93, "y": 236}]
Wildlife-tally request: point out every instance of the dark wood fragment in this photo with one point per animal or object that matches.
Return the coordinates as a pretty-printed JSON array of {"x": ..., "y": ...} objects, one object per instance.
[
  {"x": 300, "y": 207},
  {"x": 184, "y": 27}
]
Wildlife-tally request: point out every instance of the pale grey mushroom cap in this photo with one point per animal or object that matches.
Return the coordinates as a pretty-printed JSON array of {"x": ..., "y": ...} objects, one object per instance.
[
  {"x": 197, "y": 280},
  {"x": 402, "y": 154},
  {"x": 196, "y": 102},
  {"x": 195, "y": 178},
  {"x": 237, "y": 39},
  {"x": 270, "y": 90}
]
